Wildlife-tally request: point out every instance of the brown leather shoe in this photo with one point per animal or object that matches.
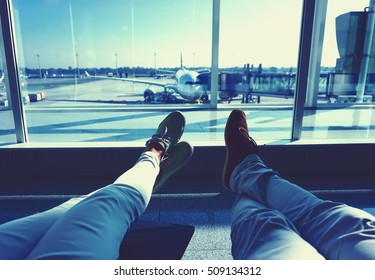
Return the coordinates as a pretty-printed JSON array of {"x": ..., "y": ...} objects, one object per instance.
[{"x": 238, "y": 143}]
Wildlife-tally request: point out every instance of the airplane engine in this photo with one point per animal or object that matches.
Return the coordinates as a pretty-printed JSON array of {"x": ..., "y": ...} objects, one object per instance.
[{"x": 149, "y": 95}]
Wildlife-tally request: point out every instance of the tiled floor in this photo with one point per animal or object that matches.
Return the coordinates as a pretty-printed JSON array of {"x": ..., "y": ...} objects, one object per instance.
[
  {"x": 202, "y": 126},
  {"x": 209, "y": 213}
]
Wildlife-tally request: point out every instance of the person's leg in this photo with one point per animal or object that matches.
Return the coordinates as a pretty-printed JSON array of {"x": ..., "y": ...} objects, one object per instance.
[
  {"x": 336, "y": 230},
  {"x": 18, "y": 237},
  {"x": 95, "y": 227},
  {"x": 257, "y": 232},
  {"x": 260, "y": 233}
]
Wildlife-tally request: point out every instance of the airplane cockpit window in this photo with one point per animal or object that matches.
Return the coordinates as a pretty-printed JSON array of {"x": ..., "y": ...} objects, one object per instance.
[{"x": 187, "y": 79}]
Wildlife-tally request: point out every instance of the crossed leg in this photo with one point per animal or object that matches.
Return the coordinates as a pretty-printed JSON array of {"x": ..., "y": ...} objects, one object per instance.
[
  {"x": 87, "y": 227},
  {"x": 273, "y": 215}
]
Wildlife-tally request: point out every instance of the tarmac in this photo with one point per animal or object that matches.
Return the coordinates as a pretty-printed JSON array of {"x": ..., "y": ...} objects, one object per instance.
[{"x": 86, "y": 110}]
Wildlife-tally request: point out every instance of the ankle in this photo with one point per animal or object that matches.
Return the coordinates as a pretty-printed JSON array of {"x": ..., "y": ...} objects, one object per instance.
[{"x": 156, "y": 149}]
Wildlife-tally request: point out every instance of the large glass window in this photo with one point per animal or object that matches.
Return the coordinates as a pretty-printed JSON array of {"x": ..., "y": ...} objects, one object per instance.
[
  {"x": 341, "y": 106},
  {"x": 93, "y": 70}
]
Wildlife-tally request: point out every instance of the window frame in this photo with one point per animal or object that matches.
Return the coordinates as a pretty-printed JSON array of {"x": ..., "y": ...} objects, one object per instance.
[{"x": 11, "y": 71}]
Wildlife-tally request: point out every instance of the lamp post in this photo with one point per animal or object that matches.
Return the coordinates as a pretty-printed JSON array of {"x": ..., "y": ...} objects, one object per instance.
[
  {"x": 40, "y": 70},
  {"x": 78, "y": 74},
  {"x": 155, "y": 62}
]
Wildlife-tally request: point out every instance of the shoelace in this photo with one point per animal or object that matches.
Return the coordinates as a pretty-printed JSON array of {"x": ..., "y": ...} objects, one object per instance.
[{"x": 165, "y": 139}]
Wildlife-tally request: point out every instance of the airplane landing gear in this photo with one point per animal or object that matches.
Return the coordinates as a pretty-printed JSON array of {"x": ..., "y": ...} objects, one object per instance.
[
  {"x": 158, "y": 97},
  {"x": 149, "y": 95},
  {"x": 204, "y": 97}
]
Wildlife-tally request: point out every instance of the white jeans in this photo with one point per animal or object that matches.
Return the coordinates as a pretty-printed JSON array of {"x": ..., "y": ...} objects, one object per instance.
[
  {"x": 275, "y": 219},
  {"x": 87, "y": 227}
]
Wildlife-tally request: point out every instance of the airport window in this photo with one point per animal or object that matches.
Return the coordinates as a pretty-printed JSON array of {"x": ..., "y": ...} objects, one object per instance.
[
  {"x": 258, "y": 60},
  {"x": 340, "y": 104},
  {"x": 109, "y": 71}
]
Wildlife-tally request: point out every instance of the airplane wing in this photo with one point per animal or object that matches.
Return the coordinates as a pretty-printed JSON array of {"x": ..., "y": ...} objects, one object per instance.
[
  {"x": 137, "y": 81},
  {"x": 165, "y": 71},
  {"x": 203, "y": 71}
]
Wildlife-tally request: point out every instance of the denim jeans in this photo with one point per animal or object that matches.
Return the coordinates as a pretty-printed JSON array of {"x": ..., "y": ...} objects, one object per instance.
[
  {"x": 273, "y": 218},
  {"x": 86, "y": 227}
]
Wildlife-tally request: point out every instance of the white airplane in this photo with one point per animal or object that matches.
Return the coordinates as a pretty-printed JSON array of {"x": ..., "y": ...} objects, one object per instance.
[{"x": 190, "y": 85}]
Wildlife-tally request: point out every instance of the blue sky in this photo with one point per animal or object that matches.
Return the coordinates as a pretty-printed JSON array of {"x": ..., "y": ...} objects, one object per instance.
[{"x": 145, "y": 32}]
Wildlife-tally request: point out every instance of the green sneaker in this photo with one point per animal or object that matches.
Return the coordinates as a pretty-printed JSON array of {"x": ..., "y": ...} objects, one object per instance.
[
  {"x": 177, "y": 157},
  {"x": 169, "y": 131}
]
